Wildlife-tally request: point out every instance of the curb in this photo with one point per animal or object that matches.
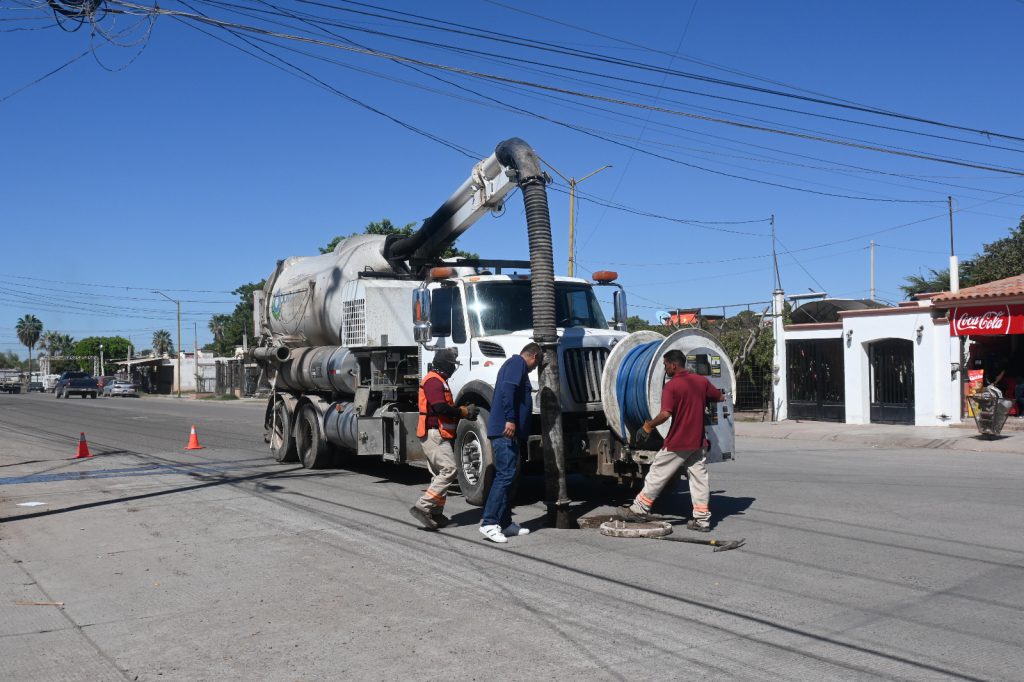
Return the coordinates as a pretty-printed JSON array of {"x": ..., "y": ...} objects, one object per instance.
[{"x": 1007, "y": 444}]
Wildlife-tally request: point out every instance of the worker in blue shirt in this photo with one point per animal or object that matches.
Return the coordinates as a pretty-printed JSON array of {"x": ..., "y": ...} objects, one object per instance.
[{"x": 507, "y": 428}]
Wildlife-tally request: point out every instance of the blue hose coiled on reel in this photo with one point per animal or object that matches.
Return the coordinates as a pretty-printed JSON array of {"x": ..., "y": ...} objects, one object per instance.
[{"x": 631, "y": 387}]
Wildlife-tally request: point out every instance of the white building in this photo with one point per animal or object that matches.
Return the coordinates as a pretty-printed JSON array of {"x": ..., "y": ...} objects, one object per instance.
[{"x": 894, "y": 365}]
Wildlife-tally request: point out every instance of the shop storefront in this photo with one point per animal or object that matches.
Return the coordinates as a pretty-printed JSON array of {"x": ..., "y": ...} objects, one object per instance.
[{"x": 991, "y": 336}]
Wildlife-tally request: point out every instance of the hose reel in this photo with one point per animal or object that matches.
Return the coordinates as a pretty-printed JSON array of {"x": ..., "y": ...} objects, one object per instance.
[{"x": 634, "y": 376}]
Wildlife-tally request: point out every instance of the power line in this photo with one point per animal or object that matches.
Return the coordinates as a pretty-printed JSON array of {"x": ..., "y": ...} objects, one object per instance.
[
  {"x": 611, "y": 100},
  {"x": 547, "y": 46},
  {"x": 589, "y": 133},
  {"x": 46, "y": 75},
  {"x": 316, "y": 81},
  {"x": 118, "y": 286}
]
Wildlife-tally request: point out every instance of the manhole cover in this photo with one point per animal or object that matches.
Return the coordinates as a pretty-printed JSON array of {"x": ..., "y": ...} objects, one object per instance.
[{"x": 627, "y": 529}]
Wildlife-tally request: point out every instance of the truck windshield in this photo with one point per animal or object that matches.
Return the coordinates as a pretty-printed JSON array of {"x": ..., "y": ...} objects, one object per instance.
[{"x": 505, "y": 307}]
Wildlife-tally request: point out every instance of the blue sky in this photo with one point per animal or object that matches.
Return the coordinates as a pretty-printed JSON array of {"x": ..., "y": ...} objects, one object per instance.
[{"x": 192, "y": 167}]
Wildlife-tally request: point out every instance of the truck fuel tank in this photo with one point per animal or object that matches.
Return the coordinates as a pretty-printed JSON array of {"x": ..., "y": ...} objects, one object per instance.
[{"x": 320, "y": 368}]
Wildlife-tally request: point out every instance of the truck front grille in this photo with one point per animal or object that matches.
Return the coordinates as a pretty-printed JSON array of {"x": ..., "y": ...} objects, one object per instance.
[{"x": 583, "y": 367}]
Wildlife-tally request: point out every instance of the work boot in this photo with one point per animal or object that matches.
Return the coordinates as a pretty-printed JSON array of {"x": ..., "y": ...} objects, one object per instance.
[
  {"x": 699, "y": 525},
  {"x": 440, "y": 519},
  {"x": 424, "y": 517},
  {"x": 626, "y": 513}
]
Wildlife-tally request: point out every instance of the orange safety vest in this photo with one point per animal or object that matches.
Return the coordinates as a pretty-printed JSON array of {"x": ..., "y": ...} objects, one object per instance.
[{"x": 445, "y": 426}]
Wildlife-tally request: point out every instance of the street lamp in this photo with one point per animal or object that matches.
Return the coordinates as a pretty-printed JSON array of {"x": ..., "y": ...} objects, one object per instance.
[
  {"x": 572, "y": 211},
  {"x": 101, "y": 360},
  {"x": 177, "y": 373}
]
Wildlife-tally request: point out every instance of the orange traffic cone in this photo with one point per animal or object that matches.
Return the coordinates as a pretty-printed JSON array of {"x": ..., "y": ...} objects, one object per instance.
[
  {"x": 193, "y": 440},
  {"x": 83, "y": 447}
]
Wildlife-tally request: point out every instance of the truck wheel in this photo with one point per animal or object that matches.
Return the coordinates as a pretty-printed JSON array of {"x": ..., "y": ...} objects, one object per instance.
[
  {"x": 474, "y": 462},
  {"x": 92, "y": 395},
  {"x": 282, "y": 439},
  {"x": 309, "y": 440}
]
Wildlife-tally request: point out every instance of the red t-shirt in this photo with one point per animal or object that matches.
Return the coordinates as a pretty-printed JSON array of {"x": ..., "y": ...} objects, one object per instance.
[{"x": 684, "y": 396}]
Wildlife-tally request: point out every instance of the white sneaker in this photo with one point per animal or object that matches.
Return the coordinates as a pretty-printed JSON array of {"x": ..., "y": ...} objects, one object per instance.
[
  {"x": 493, "y": 533},
  {"x": 515, "y": 529}
]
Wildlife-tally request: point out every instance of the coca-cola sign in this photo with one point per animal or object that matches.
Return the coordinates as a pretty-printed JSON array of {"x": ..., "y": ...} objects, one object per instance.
[{"x": 986, "y": 320}]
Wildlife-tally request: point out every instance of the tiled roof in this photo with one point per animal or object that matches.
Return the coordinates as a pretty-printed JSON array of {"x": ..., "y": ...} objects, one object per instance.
[{"x": 1001, "y": 288}]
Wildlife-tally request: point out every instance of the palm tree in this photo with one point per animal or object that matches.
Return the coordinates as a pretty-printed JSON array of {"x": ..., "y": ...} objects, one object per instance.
[
  {"x": 46, "y": 343},
  {"x": 162, "y": 342},
  {"x": 29, "y": 328},
  {"x": 56, "y": 344}
]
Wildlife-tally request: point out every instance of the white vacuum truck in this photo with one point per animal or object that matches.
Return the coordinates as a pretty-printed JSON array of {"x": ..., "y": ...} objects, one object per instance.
[{"x": 345, "y": 338}]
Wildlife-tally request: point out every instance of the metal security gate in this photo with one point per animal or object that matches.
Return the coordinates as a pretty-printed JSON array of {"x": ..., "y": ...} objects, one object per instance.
[
  {"x": 892, "y": 382},
  {"x": 815, "y": 382}
]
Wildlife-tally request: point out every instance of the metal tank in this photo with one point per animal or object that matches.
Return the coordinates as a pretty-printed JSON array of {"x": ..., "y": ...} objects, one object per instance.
[{"x": 302, "y": 300}]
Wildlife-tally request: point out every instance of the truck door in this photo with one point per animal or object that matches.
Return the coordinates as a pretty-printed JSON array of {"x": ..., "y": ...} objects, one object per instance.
[{"x": 448, "y": 325}]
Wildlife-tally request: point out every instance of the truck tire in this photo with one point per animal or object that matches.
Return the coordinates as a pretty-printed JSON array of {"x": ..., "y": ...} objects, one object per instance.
[
  {"x": 93, "y": 395},
  {"x": 282, "y": 438},
  {"x": 474, "y": 461},
  {"x": 310, "y": 443}
]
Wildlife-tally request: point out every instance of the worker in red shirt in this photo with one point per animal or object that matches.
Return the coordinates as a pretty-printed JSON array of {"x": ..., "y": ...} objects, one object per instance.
[
  {"x": 682, "y": 400},
  {"x": 436, "y": 430}
]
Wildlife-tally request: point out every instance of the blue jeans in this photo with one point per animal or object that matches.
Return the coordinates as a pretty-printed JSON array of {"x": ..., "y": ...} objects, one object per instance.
[{"x": 498, "y": 509}]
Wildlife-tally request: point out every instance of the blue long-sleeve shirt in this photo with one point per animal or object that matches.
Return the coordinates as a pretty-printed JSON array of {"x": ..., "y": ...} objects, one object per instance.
[{"x": 513, "y": 401}]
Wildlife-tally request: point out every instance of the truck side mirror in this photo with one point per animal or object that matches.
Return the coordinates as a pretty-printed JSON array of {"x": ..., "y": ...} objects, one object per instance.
[
  {"x": 621, "y": 309},
  {"x": 421, "y": 316}
]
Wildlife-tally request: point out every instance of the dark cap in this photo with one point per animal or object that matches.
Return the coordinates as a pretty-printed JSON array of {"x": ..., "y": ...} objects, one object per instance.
[{"x": 446, "y": 355}]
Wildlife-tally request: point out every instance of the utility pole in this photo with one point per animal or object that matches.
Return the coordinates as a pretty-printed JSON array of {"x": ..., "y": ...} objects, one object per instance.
[
  {"x": 872, "y": 269},
  {"x": 779, "y": 377},
  {"x": 177, "y": 372},
  {"x": 101, "y": 360},
  {"x": 775, "y": 258},
  {"x": 195, "y": 352},
  {"x": 954, "y": 262},
  {"x": 572, "y": 211}
]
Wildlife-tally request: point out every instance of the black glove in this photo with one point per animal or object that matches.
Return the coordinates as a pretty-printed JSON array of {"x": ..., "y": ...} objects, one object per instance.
[{"x": 472, "y": 411}]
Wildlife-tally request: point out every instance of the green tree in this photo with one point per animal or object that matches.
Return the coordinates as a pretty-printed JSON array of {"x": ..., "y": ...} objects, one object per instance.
[
  {"x": 635, "y": 323},
  {"x": 162, "y": 344},
  {"x": 998, "y": 260},
  {"x": 386, "y": 227},
  {"x": 114, "y": 347},
  {"x": 28, "y": 329},
  {"x": 228, "y": 329},
  {"x": 935, "y": 280},
  {"x": 10, "y": 360}
]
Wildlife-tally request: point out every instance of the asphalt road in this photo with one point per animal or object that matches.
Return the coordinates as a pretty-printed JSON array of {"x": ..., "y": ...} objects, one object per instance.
[{"x": 220, "y": 564}]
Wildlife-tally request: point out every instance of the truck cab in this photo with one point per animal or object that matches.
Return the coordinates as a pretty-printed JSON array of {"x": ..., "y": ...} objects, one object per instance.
[{"x": 488, "y": 318}]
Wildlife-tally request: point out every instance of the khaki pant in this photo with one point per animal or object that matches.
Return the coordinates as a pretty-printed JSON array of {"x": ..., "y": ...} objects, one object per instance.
[
  {"x": 665, "y": 465},
  {"x": 442, "y": 462}
]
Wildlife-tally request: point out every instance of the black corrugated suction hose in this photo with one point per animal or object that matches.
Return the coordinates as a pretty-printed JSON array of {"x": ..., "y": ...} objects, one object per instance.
[{"x": 517, "y": 154}]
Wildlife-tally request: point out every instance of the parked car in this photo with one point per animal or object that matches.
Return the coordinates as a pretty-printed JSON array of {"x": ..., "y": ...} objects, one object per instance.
[
  {"x": 76, "y": 383},
  {"x": 10, "y": 382},
  {"x": 104, "y": 380},
  {"x": 119, "y": 387},
  {"x": 36, "y": 387}
]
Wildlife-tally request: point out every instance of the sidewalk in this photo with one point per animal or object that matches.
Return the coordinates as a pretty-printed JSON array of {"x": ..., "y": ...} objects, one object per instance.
[{"x": 885, "y": 435}]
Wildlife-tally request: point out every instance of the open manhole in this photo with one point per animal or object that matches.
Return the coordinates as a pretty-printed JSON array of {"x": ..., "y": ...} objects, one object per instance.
[{"x": 628, "y": 529}]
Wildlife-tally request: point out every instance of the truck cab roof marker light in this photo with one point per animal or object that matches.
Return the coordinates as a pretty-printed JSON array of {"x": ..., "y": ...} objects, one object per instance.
[
  {"x": 441, "y": 273},
  {"x": 605, "y": 276}
]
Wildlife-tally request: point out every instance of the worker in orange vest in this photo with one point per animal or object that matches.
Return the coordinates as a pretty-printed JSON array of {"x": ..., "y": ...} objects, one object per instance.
[{"x": 438, "y": 420}]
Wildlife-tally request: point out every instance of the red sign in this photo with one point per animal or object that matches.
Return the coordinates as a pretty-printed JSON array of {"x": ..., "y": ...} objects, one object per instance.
[{"x": 989, "y": 320}]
